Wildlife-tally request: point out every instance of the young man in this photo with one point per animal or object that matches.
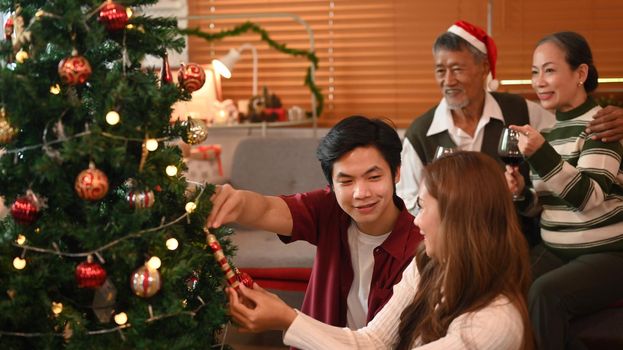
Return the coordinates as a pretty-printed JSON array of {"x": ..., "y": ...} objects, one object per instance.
[{"x": 364, "y": 235}]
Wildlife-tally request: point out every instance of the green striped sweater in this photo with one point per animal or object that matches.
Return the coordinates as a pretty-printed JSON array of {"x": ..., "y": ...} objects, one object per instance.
[{"x": 579, "y": 183}]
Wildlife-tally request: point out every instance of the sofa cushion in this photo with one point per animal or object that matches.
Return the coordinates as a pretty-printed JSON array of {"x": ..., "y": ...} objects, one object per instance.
[{"x": 274, "y": 166}]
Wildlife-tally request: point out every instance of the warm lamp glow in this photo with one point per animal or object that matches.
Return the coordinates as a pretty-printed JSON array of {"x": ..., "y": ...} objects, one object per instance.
[
  {"x": 225, "y": 65},
  {"x": 221, "y": 69}
]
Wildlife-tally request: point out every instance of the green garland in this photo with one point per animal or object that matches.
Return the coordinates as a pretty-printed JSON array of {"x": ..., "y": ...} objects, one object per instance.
[{"x": 250, "y": 26}]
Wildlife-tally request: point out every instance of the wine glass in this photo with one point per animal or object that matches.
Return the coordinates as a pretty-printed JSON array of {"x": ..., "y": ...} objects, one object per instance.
[
  {"x": 443, "y": 151},
  {"x": 508, "y": 150}
]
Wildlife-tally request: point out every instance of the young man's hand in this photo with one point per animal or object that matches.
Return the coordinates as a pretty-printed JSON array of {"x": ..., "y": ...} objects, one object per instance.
[
  {"x": 607, "y": 124},
  {"x": 226, "y": 206}
]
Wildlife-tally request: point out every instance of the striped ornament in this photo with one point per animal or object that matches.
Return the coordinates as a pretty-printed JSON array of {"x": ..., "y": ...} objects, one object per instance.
[{"x": 145, "y": 281}]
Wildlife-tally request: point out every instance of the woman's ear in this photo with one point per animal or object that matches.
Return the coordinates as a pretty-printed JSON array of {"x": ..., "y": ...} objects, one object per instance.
[
  {"x": 582, "y": 71},
  {"x": 397, "y": 178}
]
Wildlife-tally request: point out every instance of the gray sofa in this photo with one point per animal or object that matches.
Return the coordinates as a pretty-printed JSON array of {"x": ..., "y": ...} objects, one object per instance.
[{"x": 274, "y": 166}]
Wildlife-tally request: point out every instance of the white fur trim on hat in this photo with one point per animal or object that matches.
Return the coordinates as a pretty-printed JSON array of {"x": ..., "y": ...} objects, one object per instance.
[{"x": 469, "y": 37}]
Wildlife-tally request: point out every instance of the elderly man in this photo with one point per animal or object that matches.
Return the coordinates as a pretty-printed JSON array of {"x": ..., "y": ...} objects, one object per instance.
[{"x": 469, "y": 117}]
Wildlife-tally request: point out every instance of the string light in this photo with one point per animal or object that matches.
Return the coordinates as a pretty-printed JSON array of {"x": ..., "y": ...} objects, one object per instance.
[
  {"x": 151, "y": 145},
  {"x": 19, "y": 263},
  {"x": 129, "y": 12},
  {"x": 21, "y": 239},
  {"x": 112, "y": 118},
  {"x": 121, "y": 318},
  {"x": 57, "y": 308},
  {"x": 172, "y": 244},
  {"x": 129, "y": 27},
  {"x": 171, "y": 170},
  {"x": 190, "y": 207},
  {"x": 154, "y": 263},
  {"x": 55, "y": 89},
  {"x": 21, "y": 56}
]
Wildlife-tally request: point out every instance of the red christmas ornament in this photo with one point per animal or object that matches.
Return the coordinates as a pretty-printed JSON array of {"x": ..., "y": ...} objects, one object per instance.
[
  {"x": 165, "y": 73},
  {"x": 25, "y": 210},
  {"x": 192, "y": 282},
  {"x": 8, "y": 28},
  {"x": 113, "y": 16},
  {"x": 141, "y": 199},
  {"x": 192, "y": 76},
  {"x": 74, "y": 70},
  {"x": 245, "y": 279},
  {"x": 91, "y": 184},
  {"x": 145, "y": 281},
  {"x": 90, "y": 274}
]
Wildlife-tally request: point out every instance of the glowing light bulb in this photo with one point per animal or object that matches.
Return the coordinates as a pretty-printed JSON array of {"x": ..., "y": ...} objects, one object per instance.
[
  {"x": 129, "y": 12},
  {"x": 38, "y": 230},
  {"x": 121, "y": 318},
  {"x": 21, "y": 56},
  {"x": 112, "y": 118},
  {"x": 55, "y": 89},
  {"x": 129, "y": 26},
  {"x": 154, "y": 263},
  {"x": 151, "y": 145},
  {"x": 21, "y": 239},
  {"x": 171, "y": 170},
  {"x": 57, "y": 308},
  {"x": 172, "y": 244},
  {"x": 19, "y": 263},
  {"x": 190, "y": 207}
]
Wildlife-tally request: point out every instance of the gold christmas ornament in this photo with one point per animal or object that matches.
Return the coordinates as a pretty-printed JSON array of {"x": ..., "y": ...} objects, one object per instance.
[
  {"x": 57, "y": 308},
  {"x": 195, "y": 131},
  {"x": 6, "y": 131},
  {"x": 21, "y": 56}
]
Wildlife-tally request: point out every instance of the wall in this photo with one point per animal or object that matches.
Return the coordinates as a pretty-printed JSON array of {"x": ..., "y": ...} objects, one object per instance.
[{"x": 229, "y": 139}]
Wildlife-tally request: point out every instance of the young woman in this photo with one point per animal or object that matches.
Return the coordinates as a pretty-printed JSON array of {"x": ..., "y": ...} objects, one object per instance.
[
  {"x": 577, "y": 190},
  {"x": 465, "y": 288}
]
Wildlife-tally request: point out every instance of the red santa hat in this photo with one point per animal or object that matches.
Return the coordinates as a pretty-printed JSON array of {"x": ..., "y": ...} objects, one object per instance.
[{"x": 479, "y": 39}]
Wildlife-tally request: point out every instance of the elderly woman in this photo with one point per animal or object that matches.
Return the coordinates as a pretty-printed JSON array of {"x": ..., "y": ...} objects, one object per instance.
[{"x": 578, "y": 191}]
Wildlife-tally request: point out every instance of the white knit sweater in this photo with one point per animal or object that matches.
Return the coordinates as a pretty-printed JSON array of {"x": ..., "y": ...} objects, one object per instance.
[{"x": 497, "y": 326}]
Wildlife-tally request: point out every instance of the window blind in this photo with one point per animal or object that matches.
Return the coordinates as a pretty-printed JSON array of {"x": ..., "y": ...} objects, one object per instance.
[{"x": 375, "y": 56}]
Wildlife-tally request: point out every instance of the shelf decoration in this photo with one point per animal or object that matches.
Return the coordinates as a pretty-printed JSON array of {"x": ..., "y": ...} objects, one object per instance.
[{"x": 253, "y": 27}]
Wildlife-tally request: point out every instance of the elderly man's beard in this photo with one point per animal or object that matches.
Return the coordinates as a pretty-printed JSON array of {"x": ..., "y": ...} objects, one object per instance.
[
  {"x": 451, "y": 100},
  {"x": 458, "y": 105}
]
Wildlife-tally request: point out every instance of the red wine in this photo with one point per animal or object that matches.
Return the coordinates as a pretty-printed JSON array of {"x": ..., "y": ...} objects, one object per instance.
[{"x": 512, "y": 160}]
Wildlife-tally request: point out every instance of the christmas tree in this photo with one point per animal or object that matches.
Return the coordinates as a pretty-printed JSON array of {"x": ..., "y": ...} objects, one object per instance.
[{"x": 105, "y": 246}]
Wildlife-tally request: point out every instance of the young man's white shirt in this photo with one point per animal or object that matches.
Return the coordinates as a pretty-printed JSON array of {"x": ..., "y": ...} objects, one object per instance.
[{"x": 361, "y": 248}]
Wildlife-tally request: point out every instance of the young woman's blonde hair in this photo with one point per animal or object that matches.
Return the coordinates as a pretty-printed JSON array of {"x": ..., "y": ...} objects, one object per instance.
[{"x": 482, "y": 252}]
